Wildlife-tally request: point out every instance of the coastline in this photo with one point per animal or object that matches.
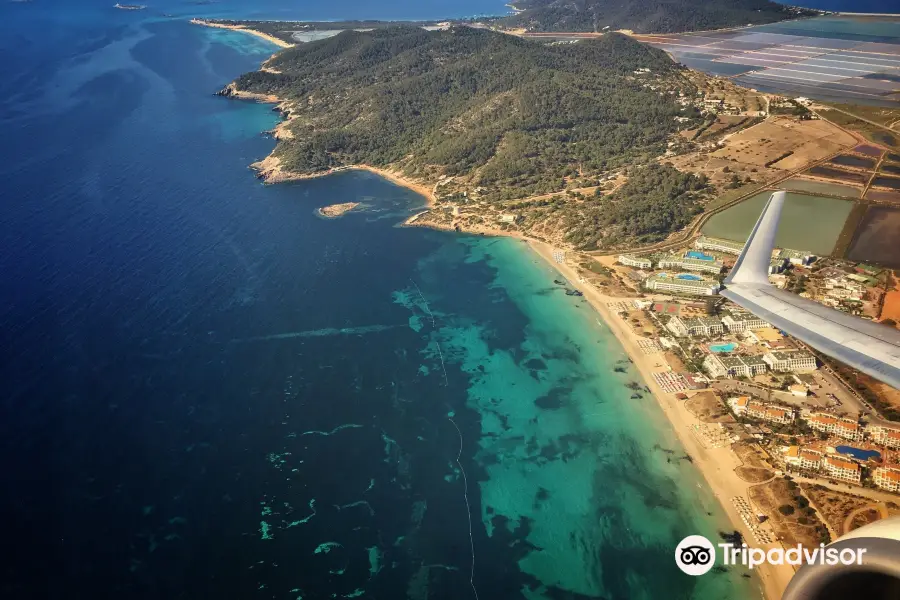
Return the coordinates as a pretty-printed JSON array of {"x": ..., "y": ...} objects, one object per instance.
[
  {"x": 270, "y": 38},
  {"x": 716, "y": 465}
]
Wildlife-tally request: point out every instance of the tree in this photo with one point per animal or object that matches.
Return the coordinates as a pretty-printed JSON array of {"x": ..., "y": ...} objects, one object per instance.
[{"x": 786, "y": 509}]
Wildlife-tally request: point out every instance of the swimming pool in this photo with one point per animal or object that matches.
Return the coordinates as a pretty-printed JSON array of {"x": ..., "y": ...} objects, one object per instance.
[
  {"x": 699, "y": 255},
  {"x": 688, "y": 277},
  {"x": 722, "y": 347},
  {"x": 858, "y": 453}
]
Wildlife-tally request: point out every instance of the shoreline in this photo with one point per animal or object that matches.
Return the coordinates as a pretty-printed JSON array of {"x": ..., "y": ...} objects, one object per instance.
[
  {"x": 716, "y": 465},
  {"x": 270, "y": 38}
]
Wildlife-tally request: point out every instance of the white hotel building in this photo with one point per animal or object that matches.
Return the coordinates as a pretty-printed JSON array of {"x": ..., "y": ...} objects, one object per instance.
[
  {"x": 667, "y": 283},
  {"x": 691, "y": 264},
  {"x": 784, "y": 361},
  {"x": 887, "y": 477},
  {"x": 842, "y": 469},
  {"x": 717, "y": 245},
  {"x": 839, "y": 426},
  {"x": 886, "y": 436},
  {"x": 629, "y": 260}
]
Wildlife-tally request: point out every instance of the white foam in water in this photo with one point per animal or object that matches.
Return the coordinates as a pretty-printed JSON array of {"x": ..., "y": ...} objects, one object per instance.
[{"x": 468, "y": 508}]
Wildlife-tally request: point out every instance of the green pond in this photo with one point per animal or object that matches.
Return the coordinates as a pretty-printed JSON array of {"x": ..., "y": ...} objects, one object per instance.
[{"x": 810, "y": 223}]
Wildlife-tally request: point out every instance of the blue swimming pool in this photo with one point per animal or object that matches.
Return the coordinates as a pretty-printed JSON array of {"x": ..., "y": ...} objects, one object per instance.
[
  {"x": 688, "y": 277},
  {"x": 858, "y": 453},
  {"x": 722, "y": 347},
  {"x": 699, "y": 255}
]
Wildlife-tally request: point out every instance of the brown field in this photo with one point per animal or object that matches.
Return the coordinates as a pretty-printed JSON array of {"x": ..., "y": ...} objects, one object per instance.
[
  {"x": 773, "y": 139},
  {"x": 891, "y": 308},
  {"x": 863, "y": 517},
  {"x": 834, "y": 507},
  {"x": 715, "y": 169},
  {"x": 753, "y": 468},
  {"x": 673, "y": 361},
  {"x": 722, "y": 124},
  {"x": 707, "y": 407},
  {"x": 797, "y": 528},
  {"x": 640, "y": 323}
]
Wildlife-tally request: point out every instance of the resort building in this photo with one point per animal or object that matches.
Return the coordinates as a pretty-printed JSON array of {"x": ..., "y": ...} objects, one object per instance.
[
  {"x": 739, "y": 404},
  {"x": 695, "y": 326},
  {"x": 886, "y": 436},
  {"x": 717, "y": 245},
  {"x": 792, "y": 455},
  {"x": 738, "y": 322},
  {"x": 776, "y": 266},
  {"x": 839, "y": 426},
  {"x": 784, "y": 361},
  {"x": 733, "y": 366},
  {"x": 683, "y": 285},
  {"x": 887, "y": 477},
  {"x": 796, "y": 257},
  {"x": 629, "y": 260},
  {"x": 691, "y": 264},
  {"x": 810, "y": 460},
  {"x": 841, "y": 469},
  {"x": 770, "y": 412}
]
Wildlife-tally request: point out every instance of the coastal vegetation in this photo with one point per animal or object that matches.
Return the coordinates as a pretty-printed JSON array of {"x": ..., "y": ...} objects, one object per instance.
[
  {"x": 492, "y": 119},
  {"x": 647, "y": 16},
  {"x": 655, "y": 201}
]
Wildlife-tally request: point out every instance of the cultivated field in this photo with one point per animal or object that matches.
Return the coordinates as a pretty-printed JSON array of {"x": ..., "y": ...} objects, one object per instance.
[{"x": 785, "y": 143}]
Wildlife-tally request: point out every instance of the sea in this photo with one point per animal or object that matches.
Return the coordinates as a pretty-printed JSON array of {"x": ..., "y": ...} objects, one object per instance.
[{"x": 209, "y": 391}]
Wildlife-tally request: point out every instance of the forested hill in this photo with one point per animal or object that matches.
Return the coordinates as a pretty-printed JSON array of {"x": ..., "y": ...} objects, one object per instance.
[
  {"x": 647, "y": 16},
  {"x": 506, "y": 117}
]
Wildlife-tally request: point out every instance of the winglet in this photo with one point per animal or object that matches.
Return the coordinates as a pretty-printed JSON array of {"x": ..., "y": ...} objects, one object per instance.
[{"x": 752, "y": 265}]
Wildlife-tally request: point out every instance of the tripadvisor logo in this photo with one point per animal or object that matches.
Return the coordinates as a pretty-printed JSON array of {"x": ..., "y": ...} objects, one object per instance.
[{"x": 696, "y": 555}]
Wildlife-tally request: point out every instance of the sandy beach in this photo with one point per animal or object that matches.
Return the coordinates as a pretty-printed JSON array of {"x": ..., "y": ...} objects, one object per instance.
[
  {"x": 716, "y": 464},
  {"x": 265, "y": 36}
]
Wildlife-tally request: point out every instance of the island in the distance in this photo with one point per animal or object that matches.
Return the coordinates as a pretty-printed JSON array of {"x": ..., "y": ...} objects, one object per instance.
[
  {"x": 129, "y": 6},
  {"x": 336, "y": 210}
]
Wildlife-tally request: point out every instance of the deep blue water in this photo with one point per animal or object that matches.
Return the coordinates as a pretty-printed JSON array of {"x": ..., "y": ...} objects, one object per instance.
[
  {"x": 858, "y": 6},
  {"x": 211, "y": 392}
]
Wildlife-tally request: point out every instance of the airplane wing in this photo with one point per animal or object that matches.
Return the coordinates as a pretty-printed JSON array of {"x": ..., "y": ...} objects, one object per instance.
[{"x": 869, "y": 347}]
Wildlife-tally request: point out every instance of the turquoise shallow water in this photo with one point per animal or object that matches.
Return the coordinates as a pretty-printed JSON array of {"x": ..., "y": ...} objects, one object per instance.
[{"x": 583, "y": 464}]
